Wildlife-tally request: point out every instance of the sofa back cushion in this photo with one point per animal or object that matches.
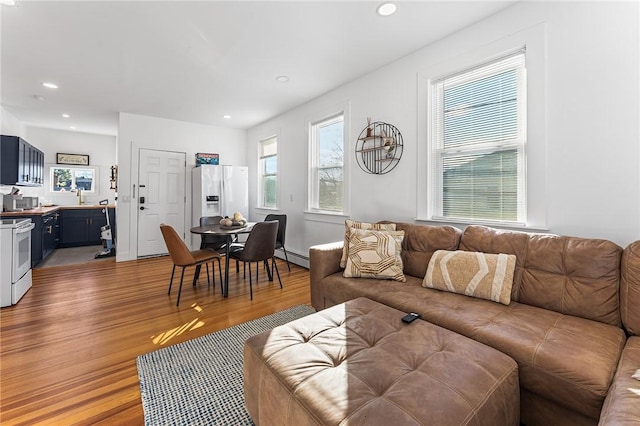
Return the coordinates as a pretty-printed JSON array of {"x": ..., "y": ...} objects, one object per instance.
[
  {"x": 490, "y": 240},
  {"x": 421, "y": 241},
  {"x": 630, "y": 288},
  {"x": 573, "y": 276}
]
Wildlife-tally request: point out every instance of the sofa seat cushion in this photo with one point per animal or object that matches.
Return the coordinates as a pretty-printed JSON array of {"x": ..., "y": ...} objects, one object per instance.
[
  {"x": 622, "y": 406},
  {"x": 550, "y": 347}
]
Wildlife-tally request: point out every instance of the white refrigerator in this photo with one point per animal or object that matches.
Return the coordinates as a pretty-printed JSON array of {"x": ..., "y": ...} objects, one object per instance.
[{"x": 218, "y": 191}]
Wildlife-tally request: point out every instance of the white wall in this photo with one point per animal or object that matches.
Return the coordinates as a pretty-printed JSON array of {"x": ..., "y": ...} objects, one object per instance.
[
  {"x": 135, "y": 132},
  {"x": 102, "y": 155},
  {"x": 591, "y": 164},
  {"x": 9, "y": 124}
]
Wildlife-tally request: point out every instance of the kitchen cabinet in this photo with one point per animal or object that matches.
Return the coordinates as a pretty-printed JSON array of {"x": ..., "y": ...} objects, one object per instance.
[
  {"x": 81, "y": 227},
  {"x": 22, "y": 164},
  {"x": 50, "y": 233}
]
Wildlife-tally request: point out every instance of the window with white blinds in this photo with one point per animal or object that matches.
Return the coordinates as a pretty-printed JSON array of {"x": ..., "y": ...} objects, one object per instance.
[{"x": 478, "y": 139}]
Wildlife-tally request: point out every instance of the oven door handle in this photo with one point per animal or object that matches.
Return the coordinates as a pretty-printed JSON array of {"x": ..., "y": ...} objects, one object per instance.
[{"x": 22, "y": 230}]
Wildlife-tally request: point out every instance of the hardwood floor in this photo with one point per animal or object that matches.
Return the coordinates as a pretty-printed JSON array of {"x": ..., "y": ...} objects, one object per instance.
[{"x": 68, "y": 349}]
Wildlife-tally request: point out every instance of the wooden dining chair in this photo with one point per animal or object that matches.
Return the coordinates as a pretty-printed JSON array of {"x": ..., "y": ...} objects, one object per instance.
[
  {"x": 260, "y": 246},
  {"x": 183, "y": 257}
]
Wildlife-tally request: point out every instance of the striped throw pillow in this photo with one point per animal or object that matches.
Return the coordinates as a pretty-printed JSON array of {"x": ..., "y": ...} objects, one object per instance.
[{"x": 483, "y": 275}]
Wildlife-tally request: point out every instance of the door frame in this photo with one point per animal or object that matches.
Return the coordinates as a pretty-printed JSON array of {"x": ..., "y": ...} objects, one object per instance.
[{"x": 133, "y": 213}]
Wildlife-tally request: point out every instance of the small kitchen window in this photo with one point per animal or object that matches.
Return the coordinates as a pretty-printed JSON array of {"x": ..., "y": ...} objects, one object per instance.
[{"x": 66, "y": 179}]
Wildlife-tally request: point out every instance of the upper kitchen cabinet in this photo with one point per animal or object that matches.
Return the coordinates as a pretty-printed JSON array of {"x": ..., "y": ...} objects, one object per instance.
[{"x": 22, "y": 164}]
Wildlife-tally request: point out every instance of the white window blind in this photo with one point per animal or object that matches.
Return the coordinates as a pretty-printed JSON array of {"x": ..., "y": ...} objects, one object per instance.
[{"x": 478, "y": 138}]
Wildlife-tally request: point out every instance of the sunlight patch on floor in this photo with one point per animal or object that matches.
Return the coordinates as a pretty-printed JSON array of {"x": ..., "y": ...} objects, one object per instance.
[{"x": 166, "y": 336}]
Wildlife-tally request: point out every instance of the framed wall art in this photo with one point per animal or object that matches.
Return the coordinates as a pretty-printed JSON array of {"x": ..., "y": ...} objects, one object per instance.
[
  {"x": 206, "y": 158},
  {"x": 72, "y": 159}
]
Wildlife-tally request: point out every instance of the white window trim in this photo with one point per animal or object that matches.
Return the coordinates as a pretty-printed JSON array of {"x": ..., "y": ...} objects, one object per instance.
[
  {"x": 519, "y": 142},
  {"x": 534, "y": 40},
  {"x": 313, "y": 214},
  {"x": 71, "y": 191},
  {"x": 260, "y": 201}
]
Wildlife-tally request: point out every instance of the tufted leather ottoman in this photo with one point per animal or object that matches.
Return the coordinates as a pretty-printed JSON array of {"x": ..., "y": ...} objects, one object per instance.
[{"x": 357, "y": 363}]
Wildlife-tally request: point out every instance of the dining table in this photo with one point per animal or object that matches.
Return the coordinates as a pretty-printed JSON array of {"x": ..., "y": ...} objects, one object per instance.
[{"x": 229, "y": 232}]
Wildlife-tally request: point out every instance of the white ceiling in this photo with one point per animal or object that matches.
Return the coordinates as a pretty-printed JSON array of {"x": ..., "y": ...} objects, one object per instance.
[{"x": 198, "y": 61}]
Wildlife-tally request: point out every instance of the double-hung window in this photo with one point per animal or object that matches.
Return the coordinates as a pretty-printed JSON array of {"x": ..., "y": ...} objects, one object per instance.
[
  {"x": 269, "y": 173},
  {"x": 478, "y": 138},
  {"x": 326, "y": 180}
]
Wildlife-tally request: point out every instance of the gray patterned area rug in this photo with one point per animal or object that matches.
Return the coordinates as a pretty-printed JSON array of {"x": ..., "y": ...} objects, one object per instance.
[{"x": 199, "y": 382}]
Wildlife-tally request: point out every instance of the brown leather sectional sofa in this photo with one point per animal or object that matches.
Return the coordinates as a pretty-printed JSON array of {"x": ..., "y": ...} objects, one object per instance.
[{"x": 572, "y": 324}]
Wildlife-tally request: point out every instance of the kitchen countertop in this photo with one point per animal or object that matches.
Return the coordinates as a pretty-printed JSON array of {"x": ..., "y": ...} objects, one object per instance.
[{"x": 45, "y": 210}]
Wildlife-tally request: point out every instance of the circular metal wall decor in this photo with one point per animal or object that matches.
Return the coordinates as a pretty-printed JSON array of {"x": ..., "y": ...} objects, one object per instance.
[{"x": 379, "y": 148}]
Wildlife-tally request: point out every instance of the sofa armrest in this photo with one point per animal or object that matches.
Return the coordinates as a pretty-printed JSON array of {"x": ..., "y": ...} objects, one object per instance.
[
  {"x": 621, "y": 405},
  {"x": 324, "y": 260},
  {"x": 630, "y": 288}
]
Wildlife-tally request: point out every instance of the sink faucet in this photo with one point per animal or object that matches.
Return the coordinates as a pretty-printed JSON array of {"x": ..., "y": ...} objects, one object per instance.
[{"x": 79, "y": 194}]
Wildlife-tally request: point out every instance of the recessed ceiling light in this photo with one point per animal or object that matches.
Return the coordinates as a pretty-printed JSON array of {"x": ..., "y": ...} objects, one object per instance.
[
  {"x": 226, "y": 117},
  {"x": 282, "y": 79},
  {"x": 66, "y": 116},
  {"x": 50, "y": 85},
  {"x": 8, "y": 2},
  {"x": 386, "y": 9},
  {"x": 72, "y": 127}
]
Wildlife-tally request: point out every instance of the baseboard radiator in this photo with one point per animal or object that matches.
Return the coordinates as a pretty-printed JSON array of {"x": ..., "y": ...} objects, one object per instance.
[{"x": 294, "y": 257}]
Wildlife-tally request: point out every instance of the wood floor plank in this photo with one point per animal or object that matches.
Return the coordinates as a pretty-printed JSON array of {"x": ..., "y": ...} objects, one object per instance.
[{"x": 68, "y": 349}]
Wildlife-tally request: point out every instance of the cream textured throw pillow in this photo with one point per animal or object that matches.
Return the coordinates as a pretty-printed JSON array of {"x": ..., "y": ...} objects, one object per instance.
[
  {"x": 352, "y": 224},
  {"x": 483, "y": 275},
  {"x": 375, "y": 254}
]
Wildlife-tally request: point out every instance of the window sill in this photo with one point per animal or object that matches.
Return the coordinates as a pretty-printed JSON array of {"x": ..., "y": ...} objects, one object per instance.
[
  {"x": 267, "y": 209},
  {"x": 327, "y": 217},
  {"x": 458, "y": 223}
]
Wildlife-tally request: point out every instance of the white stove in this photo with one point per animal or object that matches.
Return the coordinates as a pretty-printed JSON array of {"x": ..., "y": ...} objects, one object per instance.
[{"x": 15, "y": 259}]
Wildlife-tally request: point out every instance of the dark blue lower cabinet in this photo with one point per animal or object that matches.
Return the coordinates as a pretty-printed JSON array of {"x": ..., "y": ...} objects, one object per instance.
[{"x": 81, "y": 227}]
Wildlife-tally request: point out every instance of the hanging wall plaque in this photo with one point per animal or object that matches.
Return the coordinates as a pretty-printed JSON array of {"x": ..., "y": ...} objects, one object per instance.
[{"x": 379, "y": 148}]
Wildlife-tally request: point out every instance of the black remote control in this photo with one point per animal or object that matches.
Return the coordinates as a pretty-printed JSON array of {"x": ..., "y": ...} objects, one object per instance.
[{"x": 410, "y": 317}]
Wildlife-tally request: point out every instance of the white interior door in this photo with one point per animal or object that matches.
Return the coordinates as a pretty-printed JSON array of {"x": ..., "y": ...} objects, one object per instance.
[{"x": 161, "y": 198}]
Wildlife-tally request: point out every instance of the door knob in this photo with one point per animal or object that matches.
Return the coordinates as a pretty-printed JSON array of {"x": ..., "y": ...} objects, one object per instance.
[{"x": 142, "y": 208}]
